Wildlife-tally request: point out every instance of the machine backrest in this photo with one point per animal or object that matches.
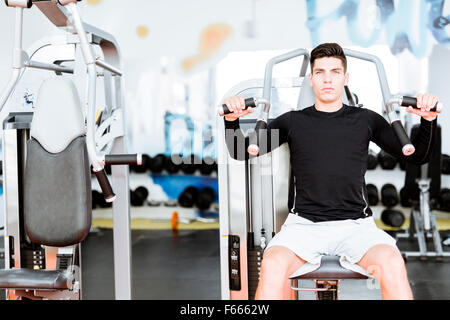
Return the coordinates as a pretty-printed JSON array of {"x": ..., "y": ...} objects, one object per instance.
[{"x": 57, "y": 179}]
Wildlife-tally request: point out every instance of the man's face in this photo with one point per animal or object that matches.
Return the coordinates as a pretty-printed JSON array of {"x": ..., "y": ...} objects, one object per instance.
[{"x": 328, "y": 79}]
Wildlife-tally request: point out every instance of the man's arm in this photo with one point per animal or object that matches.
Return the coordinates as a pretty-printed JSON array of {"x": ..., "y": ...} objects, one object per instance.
[
  {"x": 383, "y": 135},
  {"x": 237, "y": 142}
]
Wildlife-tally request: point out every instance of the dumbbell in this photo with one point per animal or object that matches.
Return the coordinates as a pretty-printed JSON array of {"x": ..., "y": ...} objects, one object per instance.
[
  {"x": 372, "y": 161},
  {"x": 190, "y": 164},
  {"x": 94, "y": 195},
  {"x": 173, "y": 163},
  {"x": 444, "y": 199},
  {"x": 188, "y": 197},
  {"x": 157, "y": 163},
  {"x": 205, "y": 198},
  {"x": 445, "y": 168},
  {"x": 393, "y": 218},
  {"x": 207, "y": 166},
  {"x": 372, "y": 192},
  {"x": 389, "y": 195},
  {"x": 405, "y": 201},
  {"x": 386, "y": 161},
  {"x": 138, "y": 196}
]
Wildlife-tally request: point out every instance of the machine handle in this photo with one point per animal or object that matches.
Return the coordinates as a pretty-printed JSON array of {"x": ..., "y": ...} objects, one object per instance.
[
  {"x": 256, "y": 138},
  {"x": 105, "y": 185},
  {"x": 123, "y": 159},
  {"x": 249, "y": 103},
  {"x": 410, "y": 101},
  {"x": 407, "y": 147}
]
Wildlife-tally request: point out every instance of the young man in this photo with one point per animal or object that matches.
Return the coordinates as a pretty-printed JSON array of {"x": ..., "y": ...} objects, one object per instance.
[{"x": 328, "y": 145}]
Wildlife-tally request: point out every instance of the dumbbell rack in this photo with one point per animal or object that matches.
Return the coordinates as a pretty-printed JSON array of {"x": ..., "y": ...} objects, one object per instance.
[{"x": 423, "y": 224}]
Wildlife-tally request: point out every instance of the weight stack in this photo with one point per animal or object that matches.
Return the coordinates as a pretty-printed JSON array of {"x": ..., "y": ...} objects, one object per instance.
[
  {"x": 32, "y": 258},
  {"x": 254, "y": 257},
  {"x": 413, "y": 171}
]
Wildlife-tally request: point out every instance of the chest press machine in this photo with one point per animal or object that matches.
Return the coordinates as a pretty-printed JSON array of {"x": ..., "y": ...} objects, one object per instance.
[
  {"x": 254, "y": 193},
  {"x": 49, "y": 153}
]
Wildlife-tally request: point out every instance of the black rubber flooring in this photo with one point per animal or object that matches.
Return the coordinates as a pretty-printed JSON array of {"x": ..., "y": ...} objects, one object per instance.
[
  {"x": 187, "y": 266},
  {"x": 181, "y": 267}
]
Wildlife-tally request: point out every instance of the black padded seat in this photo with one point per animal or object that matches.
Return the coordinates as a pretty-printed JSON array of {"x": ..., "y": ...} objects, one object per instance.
[
  {"x": 331, "y": 269},
  {"x": 35, "y": 279}
]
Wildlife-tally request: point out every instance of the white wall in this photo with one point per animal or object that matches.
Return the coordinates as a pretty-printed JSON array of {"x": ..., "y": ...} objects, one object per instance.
[
  {"x": 175, "y": 30},
  {"x": 439, "y": 84}
]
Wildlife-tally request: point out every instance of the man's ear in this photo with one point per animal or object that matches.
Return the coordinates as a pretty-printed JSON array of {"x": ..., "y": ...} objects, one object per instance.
[
  {"x": 347, "y": 76},
  {"x": 310, "y": 79}
]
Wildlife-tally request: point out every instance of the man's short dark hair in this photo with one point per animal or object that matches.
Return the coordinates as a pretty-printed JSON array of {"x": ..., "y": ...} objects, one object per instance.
[{"x": 328, "y": 50}]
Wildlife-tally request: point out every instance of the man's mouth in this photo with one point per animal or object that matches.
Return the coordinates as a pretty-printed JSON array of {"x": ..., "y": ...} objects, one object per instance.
[{"x": 327, "y": 89}]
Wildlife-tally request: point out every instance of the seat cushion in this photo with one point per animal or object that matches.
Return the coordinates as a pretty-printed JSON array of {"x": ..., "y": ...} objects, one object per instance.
[
  {"x": 35, "y": 279},
  {"x": 331, "y": 269}
]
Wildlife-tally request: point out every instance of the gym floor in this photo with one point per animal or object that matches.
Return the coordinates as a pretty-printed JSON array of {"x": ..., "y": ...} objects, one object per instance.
[{"x": 186, "y": 265}]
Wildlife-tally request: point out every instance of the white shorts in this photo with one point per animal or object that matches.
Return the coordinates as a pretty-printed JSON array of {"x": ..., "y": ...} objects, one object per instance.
[{"x": 348, "y": 239}]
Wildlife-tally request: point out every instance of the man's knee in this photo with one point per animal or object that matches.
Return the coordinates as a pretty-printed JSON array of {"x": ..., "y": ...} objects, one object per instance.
[
  {"x": 276, "y": 261},
  {"x": 388, "y": 263}
]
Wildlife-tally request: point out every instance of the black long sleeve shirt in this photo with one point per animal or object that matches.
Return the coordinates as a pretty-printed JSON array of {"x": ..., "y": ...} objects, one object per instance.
[{"x": 328, "y": 154}]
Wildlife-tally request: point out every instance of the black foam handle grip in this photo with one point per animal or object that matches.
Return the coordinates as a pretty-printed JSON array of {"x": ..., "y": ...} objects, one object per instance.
[
  {"x": 105, "y": 185},
  {"x": 255, "y": 139},
  {"x": 249, "y": 103},
  {"x": 121, "y": 159},
  {"x": 410, "y": 101},
  {"x": 407, "y": 147}
]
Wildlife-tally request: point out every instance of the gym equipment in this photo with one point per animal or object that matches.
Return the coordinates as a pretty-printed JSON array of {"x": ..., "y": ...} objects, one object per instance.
[
  {"x": 188, "y": 197},
  {"x": 402, "y": 164},
  {"x": 146, "y": 159},
  {"x": 99, "y": 200},
  {"x": 444, "y": 199},
  {"x": 208, "y": 166},
  {"x": 393, "y": 218},
  {"x": 389, "y": 195},
  {"x": 445, "y": 164},
  {"x": 157, "y": 163},
  {"x": 60, "y": 139},
  {"x": 190, "y": 164},
  {"x": 413, "y": 171},
  {"x": 138, "y": 196},
  {"x": 422, "y": 219},
  {"x": 253, "y": 193},
  {"x": 405, "y": 202},
  {"x": 205, "y": 198},
  {"x": 386, "y": 161},
  {"x": 372, "y": 161},
  {"x": 172, "y": 163},
  {"x": 372, "y": 193}
]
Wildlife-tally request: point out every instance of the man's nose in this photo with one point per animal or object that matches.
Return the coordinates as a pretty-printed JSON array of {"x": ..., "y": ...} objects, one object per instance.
[{"x": 327, "y": 77}]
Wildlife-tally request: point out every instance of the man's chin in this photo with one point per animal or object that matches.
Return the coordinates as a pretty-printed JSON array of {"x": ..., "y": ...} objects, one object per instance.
[{"x": 328, "y": 98}]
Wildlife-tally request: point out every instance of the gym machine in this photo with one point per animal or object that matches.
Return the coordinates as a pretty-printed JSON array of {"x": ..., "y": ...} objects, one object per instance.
[
  {"x": 422, "y": 186},
  {"x": 50, "y": 152},
  {"x": 257, "y": 194}
]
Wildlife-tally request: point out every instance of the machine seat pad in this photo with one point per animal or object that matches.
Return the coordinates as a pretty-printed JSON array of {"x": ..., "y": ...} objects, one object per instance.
[
  {"x": 35, "y": 279},
  {"x": 331, "y": 269}
]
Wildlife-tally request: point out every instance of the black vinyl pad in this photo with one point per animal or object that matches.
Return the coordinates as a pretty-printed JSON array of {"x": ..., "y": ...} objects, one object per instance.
[
  {"x": 331, "y": 269},
  {"x": 35, "y": 279},
  {"x": 57, "y": 194}
]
